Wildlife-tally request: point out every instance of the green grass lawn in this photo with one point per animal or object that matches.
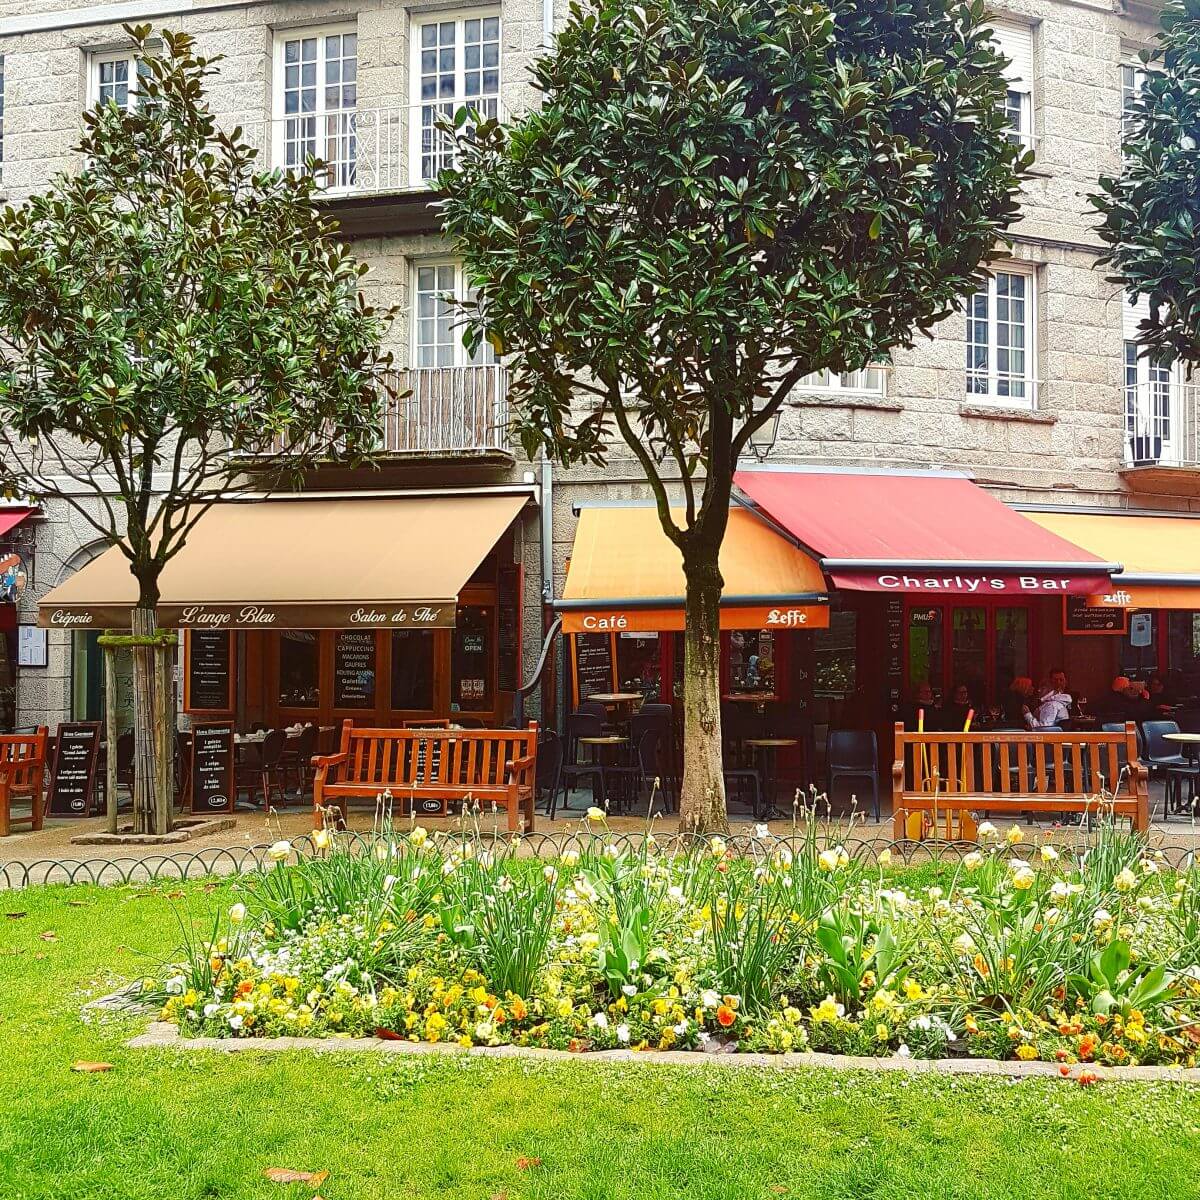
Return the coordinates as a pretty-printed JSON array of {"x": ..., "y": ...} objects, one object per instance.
[{"x": 175, "y": 1125}]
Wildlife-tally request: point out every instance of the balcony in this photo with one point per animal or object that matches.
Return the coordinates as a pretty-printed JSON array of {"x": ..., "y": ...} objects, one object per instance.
[
  {"x": 446, "y": 413},
  {"x": 1162, "y": 438},
  {"x": 365, "y": 151}
]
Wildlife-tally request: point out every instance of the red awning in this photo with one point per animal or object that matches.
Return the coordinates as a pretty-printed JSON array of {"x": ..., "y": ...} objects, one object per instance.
[
  {"x": 10, "y": 518},
  {"x": 933, "y": 533}
]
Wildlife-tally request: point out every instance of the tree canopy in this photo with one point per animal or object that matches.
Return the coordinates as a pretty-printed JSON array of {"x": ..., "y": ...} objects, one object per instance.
[
  {"x": 1150, "y": 212},
  {"x": 170, "y": 311}
]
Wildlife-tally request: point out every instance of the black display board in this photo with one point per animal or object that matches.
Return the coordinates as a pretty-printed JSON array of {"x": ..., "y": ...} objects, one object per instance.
[
  {"x": 73, "y": 780},
  {"x": 895, "y": 651},
  {"x": 210, "y": 671},
  {"x": 593, "y": 664},
  {"x": 1079, "y": 618},
  {"x": 508, "y": 634},
  {"x": 212, "y": 767},
  {"x": 354, "y": 669}
]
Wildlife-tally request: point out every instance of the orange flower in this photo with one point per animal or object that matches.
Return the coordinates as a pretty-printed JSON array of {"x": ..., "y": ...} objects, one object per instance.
[
  {"x": 519, "y": 1011},
  {"x": 245, "y": 987},
  {"x": 1087, "y": 1078},
  {"x": 725, "y": 1016}
]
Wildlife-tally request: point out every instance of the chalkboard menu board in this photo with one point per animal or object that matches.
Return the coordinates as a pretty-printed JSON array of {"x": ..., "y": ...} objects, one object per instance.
[
  {"x": 209, "y": 672},
  {"x": 1079, "y": 618},
  {"x": 508, "y": 633},
  {"x": 212, "y": 768},
  {"x": 73, "y": 780},
  {"x": 895, "y": 651},
  {"x": 354, "y": 669},
  {"x": 593, "y": 664}
]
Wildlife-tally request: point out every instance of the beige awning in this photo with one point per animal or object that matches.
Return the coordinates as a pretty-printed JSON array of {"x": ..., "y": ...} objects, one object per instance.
[{"x": 396, "y": 562}]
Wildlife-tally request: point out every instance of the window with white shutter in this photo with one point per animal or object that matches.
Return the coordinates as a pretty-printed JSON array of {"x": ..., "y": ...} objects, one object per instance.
[
  {"x": 1152, "y": 392},
  {"x": 1015, "y": 42}
]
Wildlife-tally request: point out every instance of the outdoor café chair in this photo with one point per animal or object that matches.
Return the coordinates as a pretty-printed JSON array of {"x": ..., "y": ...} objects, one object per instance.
[
  {"x": 854, "y": 754},
  {"x": 574, "y": 768},
  {"x": 549, "y": 770}
]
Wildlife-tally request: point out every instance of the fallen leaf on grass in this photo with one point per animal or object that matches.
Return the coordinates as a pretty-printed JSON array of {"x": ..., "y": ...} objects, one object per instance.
[
  {"x": 48, "y": 935},
  {"x": 524, "y": 1163},
  {"x": 90, "y": 1068},
  {"x": 16, "y": 916},
  {"x": 174, "y": 895},
  {"x": 287, "y": 1175},
  {"x": 388, "y": 1035}
]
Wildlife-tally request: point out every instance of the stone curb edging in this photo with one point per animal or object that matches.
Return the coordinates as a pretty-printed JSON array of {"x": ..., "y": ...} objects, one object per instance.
[{"x": 163, "y": 1035}]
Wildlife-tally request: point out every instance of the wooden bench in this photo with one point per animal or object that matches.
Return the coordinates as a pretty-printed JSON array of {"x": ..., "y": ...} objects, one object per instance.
[
  {"x": 945, "y": 777},
  {"x": 22, "y": 777},
  {"x": 428, "y": 768}
]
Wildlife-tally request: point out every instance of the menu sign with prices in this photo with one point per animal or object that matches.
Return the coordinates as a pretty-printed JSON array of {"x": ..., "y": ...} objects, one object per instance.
[
  {"x": 209, "y": 673},
  {"x": 212, "y": 767},
  {"x": 73, "y": 780},
  {"x": 593, "y": 664}
]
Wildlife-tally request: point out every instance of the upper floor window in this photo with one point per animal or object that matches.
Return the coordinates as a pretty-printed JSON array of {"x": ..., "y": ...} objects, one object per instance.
[
  {"x": 1015, "y": 42},
  {"x": 438, "y": 326},
  {"x": 113, "y": 78},
  {"x": 1, "y": 111},
  {"x": 868, "y": 380},
  {"x": 456, "y": 63},
  {"x": 1152, "y": 393},
  {"x": 1000, "y": 338},
  {"x": 1133, "y": 76},
  {"x": 316, "y": 98}
]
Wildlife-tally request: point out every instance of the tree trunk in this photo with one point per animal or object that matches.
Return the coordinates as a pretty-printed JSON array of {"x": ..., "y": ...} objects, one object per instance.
[
  {"x": 110, "y": 732},
  {"x": 148, "y": 816},
  {"x": 702, "y": 799}
]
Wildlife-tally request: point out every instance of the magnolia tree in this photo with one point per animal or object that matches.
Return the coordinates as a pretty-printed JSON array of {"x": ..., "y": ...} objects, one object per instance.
[
  {"x": 717, "y": 198},
  {"x": 1150, "y": 214},
  {"x": 166, "y": 312}
]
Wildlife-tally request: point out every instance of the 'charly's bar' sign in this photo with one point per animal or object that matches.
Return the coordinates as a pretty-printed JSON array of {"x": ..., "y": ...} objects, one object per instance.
[
  {"x": 926, "y": 582},
  {"x": 427, "y": 614}
]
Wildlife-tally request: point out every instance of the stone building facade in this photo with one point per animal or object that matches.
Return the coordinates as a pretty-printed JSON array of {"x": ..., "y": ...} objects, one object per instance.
[{"x": 1033, "y": 393}]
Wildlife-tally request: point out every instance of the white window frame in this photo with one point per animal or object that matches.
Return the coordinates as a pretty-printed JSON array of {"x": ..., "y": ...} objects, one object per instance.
[
  {"x": 99, "y": 58},
  {"x": 846, "y": 383},
  {"x": 328, "y": 133},
  {"x": 485, "y": 354},
  {"x": 2, "y": 83},
  {"x": 1152, "y": 392},
  {"x": 430, "y": 150},
  {"x": 1137, "y": 71},
  {"x": 1015, "y": 42},
  {"x": 995, "y": 394}
]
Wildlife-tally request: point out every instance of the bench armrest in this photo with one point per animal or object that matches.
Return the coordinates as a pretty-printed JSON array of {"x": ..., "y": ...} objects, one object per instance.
[
  {"x": 521, "y": 770},
  {"x": 323, "y": 762}
]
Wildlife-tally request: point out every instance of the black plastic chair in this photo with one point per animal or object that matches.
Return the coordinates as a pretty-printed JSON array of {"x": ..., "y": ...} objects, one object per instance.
[
  {"x": 297, "y": 758},
  {"x": 854, "y": 754},
  {"x": 549, "y": 770},
  {"x": 593, "y": 708},
  {"x": 265, "y": 775},
  {"x": 574, "y": 768},
  {"x": 662, "y": 762},
  {"x": 1166, "y": 762}
]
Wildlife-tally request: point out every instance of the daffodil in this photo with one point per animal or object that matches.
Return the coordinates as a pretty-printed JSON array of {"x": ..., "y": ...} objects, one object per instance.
[{"x": 279, "y": 850}]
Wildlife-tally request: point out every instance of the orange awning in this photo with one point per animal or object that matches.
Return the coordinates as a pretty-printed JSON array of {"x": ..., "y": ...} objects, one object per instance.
[
  {"x": 1160, "y": 555},
  {"x": 626, "y": 576},
  {"x": 304, "y": 563}
]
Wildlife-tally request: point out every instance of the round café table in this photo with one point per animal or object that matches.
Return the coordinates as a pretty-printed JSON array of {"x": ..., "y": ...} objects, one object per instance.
[
  {"x": 766, "y": 748},
  {"x": 1176, "y": 775},
  {"x": 606, "y": 745}
]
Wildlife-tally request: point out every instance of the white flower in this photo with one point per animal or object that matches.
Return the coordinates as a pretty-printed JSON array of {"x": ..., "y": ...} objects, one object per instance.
[
  {"x": 972, "y": 860},
  {"x": 675, "y": 892},
  {"x": 569, "y": 858},
  {"x": 321, "y": 839},
  {"x": 761, "y": 830},
  {"x": 903, "y": 1051},
  {"x": 709, "y": 998},
  {"x": 934, "y": 893},
  {"x": 827, "y": 860},
  {"x": 1060, "y": 890},
  {"x": 629, "y": 990},
  {"x": 987, "y": 830},
  {"x": 884, "y": 857},
  {"x": 1049, "y": 854},
  {"x": 235, "y": 1021},
  {"x": 1125, "y": 881},
  {"x": 237, "y": 914},
  {"x": 174, "y": 985},
  {"x": 419, "y": 835},
  {"x": 549, "y": 874},
  {"x": 504, "y": 884},
  {"x": 612, "y": 851},
  {"x": 1101, "y": 918},
  {"x": 964, "y": 943},
  {"x": 389, "y": 882},
  {"x": 210, "y": 1008},
  {"x": 1151, "y": 868},
  {"x": 600, "y": 1020},
  {"x": 484, "y": 1030},
  {"x": 279, "y": 850},
  {"x": 681, "y": 1029},
  {"x": 595, "y": 814},
  {"x": 704, "y": 1037},
  {"x": 623, "y": 1034}
]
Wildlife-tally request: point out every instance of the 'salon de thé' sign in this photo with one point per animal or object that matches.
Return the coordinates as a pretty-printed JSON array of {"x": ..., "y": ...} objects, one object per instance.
[{"x": 423, "y": 614}]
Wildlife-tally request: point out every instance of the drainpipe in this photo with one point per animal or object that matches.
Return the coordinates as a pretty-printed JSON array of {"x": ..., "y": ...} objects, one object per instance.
[{"x": 547, "y": 23}]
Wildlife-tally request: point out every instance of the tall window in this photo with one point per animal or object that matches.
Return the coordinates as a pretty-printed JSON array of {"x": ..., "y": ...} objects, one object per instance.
[
  {"x": 1132, "y": 78},
  {"x": 114, "y": 78},
  {"x": 1150, "y": 394},
  {"x": 1015, "y": 42},
  {"x": 438, "y": 331},
  {"x": 316, "y": 98},
  {"x": 1000, "y": 344},
  {"x": 457, "y": 64},
  {"x": 1, "y": 112},
  {"x": 869, "y": 380}
]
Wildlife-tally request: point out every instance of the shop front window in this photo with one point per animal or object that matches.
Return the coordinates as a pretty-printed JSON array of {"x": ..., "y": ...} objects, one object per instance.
[
  {"x": 1012, "y": 646},
  {"x": 751, "y": 661},
  {"x": 412, "y": 669},
  {"x": 968, "y": 663},
  {"x": 1139, "y": 649},
  {"x": 924, "y": 647},
  {"x": 471, "y": 660},
  {"x": 639, "y": 665},
  {"x": 834, "y": 657},
  {"x": 1183, "y": 650},
  {"x": 299, "y": 668}
]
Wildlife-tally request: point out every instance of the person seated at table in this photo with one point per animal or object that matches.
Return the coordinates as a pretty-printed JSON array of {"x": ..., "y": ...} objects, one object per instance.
[
  {"x": 922, "y": 709},
  {"x": 1016, "y": 708},
  {"x": 954, "y": 714},
  {"x": 1054, "y": 703},
  {"x": 1159, "y": 695},
  {"x": 1126, "y": 701}
]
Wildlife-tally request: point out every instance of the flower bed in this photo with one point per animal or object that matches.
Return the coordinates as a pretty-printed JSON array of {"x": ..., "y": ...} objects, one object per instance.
[{"x": 1012, "y": 952}]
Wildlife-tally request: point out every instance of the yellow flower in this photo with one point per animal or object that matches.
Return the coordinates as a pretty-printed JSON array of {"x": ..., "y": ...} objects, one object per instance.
[
  {"x": 717, "y": 847},
  {"x": 827, "y": 860},
  {"x": 1125, "y": 881},
  {"x": 972, "y": 860},
  {"x": 595, "y": 814},
  {"x": 418, "y": 836},
  {"x": 1023, "y": 878},
  {"x": 237, "y": 914},
  {"x": 321, "y": 839},
  {"x": 884, "y": 857},
  {"x": 1025, "y": 1052},
  {"x": 1049, "y": 854},
  {"x": 913, "y": 990},
  {"x": 1014, "y": 835},
  {"x": 279, "y": 850}
]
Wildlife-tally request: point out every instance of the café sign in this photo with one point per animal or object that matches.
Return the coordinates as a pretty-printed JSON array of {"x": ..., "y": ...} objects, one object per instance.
[{"x": 422, "y": 614}]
